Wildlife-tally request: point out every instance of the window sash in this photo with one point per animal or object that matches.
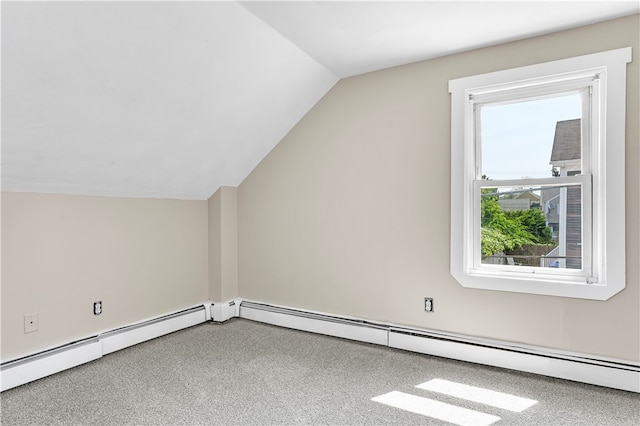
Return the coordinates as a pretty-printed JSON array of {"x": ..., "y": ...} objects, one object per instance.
[
  {"x": 584, "y": 275},
  {"x": 587, "y": 84},
  {"x": 540, "y": 88},
  {"x": 589, "y": 90}
]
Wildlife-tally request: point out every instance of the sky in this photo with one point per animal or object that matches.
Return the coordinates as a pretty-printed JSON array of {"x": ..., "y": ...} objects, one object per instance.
[{"x": 517, "y": 138}]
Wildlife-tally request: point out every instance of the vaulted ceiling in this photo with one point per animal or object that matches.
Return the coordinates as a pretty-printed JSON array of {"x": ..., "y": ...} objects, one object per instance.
[{"x": 175, "y": 99}]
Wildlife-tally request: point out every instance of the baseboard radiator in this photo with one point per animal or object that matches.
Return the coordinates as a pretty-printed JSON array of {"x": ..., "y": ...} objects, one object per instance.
[
  {"x": 569, "y": 366},
  {"x": 33, "y": 367}
]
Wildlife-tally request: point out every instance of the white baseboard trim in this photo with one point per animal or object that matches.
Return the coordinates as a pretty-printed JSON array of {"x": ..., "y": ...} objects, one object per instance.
[
  {"x": 33, "y": 367},
  {"x": 314, "y": 322},
  {"x": 42, "y": 365},
  {"x": 620, "y": 375},
  {"x": 583, "y": 368},
  {"x": 137, "y": 333}
]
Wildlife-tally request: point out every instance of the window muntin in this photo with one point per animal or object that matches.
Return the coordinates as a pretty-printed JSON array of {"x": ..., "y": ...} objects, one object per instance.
[{"x": 598, "y": 178}]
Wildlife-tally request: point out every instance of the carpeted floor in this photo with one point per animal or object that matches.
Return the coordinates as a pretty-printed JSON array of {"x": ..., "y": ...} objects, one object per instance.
[{"x": 243, "y": 372}]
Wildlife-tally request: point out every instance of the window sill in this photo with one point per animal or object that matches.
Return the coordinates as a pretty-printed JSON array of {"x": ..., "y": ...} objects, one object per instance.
[{"x": 543, "y": 284}]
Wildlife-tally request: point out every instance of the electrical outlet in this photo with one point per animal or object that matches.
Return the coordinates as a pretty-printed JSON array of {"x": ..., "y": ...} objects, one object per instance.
[
  {"x": 30, "y": 323},
  {"x": 428, "y": 304},
  {"x": 97, "y": 307}
]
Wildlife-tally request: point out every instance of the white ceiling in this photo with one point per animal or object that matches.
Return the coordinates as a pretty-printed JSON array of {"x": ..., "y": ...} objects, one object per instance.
[{"x": 175, "y": 99}]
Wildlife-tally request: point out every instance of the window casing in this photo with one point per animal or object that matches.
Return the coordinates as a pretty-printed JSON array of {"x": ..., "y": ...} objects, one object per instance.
[{"x": 596, "y": 179}]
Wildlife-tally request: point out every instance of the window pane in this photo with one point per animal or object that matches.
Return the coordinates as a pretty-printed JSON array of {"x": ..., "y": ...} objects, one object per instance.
[
  {"x": 526, "y": 139},
  {"x": 532, "y": 226}
]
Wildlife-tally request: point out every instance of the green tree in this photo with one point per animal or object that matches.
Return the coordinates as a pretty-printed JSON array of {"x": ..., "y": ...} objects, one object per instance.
[
  {"x": 502, "y": 231},
  {"x": 534, "y": 222}
]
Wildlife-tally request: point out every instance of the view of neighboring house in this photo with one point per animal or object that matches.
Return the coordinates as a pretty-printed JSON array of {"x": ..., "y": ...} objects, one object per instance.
[
  {"x": 534, "y": 199},
  {"x": 550, "y": 205},
  {"x": 562, "y": 206},
  {"x": 521, "y": 201}
]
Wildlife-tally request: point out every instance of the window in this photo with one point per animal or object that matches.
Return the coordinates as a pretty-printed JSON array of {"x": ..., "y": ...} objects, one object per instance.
[{"x": 537, "y": 177}]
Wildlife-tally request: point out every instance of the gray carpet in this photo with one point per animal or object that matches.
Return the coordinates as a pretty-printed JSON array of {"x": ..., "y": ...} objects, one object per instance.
[{"x": 243, "y": 372}]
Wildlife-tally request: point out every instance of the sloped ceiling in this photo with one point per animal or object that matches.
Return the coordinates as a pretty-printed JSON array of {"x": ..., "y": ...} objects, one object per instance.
[{"x": 175, "y": 99}]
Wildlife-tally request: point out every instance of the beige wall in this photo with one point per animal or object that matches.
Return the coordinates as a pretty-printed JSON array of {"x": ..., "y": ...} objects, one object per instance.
[
  {"x": 349, "y": 214},
  {"x": 223, "y": 244},
  {"x": 60, "y": 253}
]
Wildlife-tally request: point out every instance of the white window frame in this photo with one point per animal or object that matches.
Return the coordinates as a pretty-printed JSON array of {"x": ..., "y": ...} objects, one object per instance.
[{"x": 602, "y": 181}]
